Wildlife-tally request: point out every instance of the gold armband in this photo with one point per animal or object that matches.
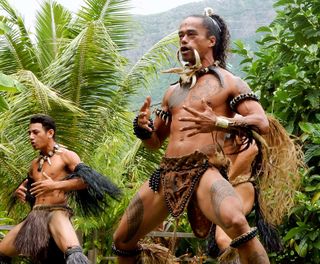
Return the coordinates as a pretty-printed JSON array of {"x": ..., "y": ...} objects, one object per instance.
[{"x": 222, "y": 122}]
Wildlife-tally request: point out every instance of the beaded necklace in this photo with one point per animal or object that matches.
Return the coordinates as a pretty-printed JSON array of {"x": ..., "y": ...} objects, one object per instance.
[{"x": 43, "y": 158}]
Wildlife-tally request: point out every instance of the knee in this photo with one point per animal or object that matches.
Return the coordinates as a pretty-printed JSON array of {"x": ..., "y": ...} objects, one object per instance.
[
  {"x": 117, "y": 239},
  {"x": 236, "y": 221},
  {"x": 120, "y": 241}
]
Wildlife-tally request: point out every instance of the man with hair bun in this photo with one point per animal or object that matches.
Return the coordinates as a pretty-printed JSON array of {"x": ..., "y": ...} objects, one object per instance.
[{"x": 196, "y": 114}]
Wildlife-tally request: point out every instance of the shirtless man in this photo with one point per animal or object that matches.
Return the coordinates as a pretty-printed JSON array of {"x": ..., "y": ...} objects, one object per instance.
[
  {"x": 195, "y": 115},
  {"x": 46, "y": 189}
]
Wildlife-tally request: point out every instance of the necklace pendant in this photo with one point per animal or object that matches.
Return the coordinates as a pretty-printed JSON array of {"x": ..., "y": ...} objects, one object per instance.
[
  {"x": 41, "y": 161},
  {"x": 49, "y": 161}
]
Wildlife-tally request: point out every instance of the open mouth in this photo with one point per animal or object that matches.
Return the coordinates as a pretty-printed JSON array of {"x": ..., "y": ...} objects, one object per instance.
[{"x": 184, "y": 49}]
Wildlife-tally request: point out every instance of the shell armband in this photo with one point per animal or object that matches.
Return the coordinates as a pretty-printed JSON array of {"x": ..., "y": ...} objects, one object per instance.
[{"x": 241, "y": 97}]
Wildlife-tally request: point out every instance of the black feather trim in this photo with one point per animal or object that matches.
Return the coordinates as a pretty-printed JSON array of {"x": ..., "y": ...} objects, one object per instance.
[
  {"x": 29, "y": 197},
  {"x": 91, "y": 200}
]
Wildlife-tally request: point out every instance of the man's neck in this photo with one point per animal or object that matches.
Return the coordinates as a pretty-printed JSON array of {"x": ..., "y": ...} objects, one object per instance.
[
  {"x": 206, "y": 62},
  {"x": 48, "y": 149}
]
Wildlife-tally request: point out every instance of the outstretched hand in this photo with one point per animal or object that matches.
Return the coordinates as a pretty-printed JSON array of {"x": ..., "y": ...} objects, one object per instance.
[
  {"x": 204, "y": 122},
  {"x": 41, "y": 187},
  {"x": 144, "y": 115}
]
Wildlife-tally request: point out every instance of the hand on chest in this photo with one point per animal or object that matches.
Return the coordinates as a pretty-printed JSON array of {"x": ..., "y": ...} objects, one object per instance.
[{"x": 52, "y": 166}]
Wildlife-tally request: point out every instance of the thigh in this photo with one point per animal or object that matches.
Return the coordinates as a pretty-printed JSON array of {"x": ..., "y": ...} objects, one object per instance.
[
  {"x": 62, "y": 230},
  {"x": 146, "y": 211},
  {"x": 246, "y": 194},
  {"x": 7, "y": 243},
  {"x": 217, "y": 198}
]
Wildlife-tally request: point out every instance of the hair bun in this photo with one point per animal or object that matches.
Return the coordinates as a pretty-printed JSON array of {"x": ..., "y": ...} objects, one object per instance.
[{"x": 208, "y": 11}]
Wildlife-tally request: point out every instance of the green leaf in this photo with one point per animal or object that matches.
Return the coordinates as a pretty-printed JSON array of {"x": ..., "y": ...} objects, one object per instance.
[
  {"x": 8, "y": 84},
  {"x": 293, "y": 232},
  {"x": 317, "y": 244},
  {"x": 302, "y": 248},
  {"x": 3, "y": 104},
  {"x": 239, "y": 44},
  {"x": 264, "y": 29},
  {"x": 282, "y": 2},
  {"x": 306, "y": 127},
  {"x": 4, "y": 28}
]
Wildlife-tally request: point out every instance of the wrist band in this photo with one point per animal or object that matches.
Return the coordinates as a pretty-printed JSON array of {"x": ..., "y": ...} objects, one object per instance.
[
  {"x": 222, "y": 122},
  {"x": 141, "y": 132}
]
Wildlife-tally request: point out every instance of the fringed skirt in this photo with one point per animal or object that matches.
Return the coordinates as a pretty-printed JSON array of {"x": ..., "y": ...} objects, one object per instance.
[{"x": 33, "y": 238}]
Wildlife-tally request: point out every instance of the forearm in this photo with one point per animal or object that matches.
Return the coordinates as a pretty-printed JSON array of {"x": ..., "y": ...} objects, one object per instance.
[
  {"x": 238, "y": 169},
  {"x": 252, "y": 114},
  {"x": 71, "y": 185},
  {"x": 257, "y": 121},
  {"x": 152, "y": 143},
  {"x": 151, "y": 137}
]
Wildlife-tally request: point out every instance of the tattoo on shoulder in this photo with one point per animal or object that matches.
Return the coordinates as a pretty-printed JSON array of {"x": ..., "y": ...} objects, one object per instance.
[
  {"x": 134, "y": 215},
  {"x": 242, "y": 86}
]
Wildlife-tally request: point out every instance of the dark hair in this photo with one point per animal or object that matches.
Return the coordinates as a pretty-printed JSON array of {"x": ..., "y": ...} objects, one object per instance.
[
  {"x": 46, "y": 121},
  {"x": 219, "y": 29}
]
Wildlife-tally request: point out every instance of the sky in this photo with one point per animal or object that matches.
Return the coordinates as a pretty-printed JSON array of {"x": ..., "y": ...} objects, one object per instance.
[{"x": 143, "y": 7}]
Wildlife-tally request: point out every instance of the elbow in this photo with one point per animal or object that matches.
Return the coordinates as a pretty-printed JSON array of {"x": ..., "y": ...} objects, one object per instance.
[
  {"x": 264, "y": 126},
  {"x": 153, "y": 146},
  {"x": 153, "y": 143}
]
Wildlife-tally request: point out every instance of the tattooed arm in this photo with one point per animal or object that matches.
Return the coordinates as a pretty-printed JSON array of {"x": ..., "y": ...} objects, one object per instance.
[{"x": 251, "y": 112}]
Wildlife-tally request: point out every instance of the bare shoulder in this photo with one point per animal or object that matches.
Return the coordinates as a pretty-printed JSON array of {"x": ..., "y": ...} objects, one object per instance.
[
  {"x": 240, "y": 86},
  {"x": 34, "y": 164},
  {"x": 231, "y": 82},
  {"x": 70, "y": 158}
]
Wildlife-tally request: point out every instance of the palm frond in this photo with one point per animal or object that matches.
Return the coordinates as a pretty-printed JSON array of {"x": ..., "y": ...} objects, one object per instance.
[
  {"x": 112, "y": 13},
  {"x": 40, "y": 95},
  {"x": 17, "y": 41},
  {"x": 147, "y": 67},
  {"x": 88, "y": 73},
  {"x": 51, "y": 31}
]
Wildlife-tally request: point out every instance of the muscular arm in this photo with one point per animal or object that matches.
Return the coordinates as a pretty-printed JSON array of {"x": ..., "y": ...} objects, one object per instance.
[
  {"x": 70, "y": 185},
  {"x": 160, "y": 133},
  {"x": 251, "y": 112},
  {"x": 161, "y": 129},
  {"x": 72, "y": 160}
]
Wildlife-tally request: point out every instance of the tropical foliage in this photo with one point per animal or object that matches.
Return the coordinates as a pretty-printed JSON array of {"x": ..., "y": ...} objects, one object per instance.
[
  {"x": 285, "y": 71},
  {"x": 72, "y": 68}
]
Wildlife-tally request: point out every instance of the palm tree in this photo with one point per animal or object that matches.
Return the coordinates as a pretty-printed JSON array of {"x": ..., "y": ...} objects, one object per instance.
[{"x": 73, "y": 69}]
